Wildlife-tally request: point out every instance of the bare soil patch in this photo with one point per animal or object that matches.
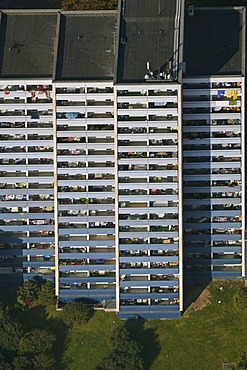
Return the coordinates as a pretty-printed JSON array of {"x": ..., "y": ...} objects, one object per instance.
[{"x": 203, "y": 300}]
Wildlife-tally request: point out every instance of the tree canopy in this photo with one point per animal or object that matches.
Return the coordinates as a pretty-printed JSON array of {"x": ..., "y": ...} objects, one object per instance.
[
  {"x": 89, "y": 4},
  {"x": 28, "y": 293},
  {"x": 37, "y": 341},
  {"x": 242, "y": 363},
  {"x": 76, "y": 313},
  {"x": 126, "y": 353},
  {"x": 47, "y": 294},
  {"x": 36, "y": 291},
  {"x": 11, "y": 333}
]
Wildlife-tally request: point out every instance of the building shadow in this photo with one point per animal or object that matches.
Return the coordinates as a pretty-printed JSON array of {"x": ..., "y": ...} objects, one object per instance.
[
  {"x": 11, "y": 265},
  {"x": 214, "y": 50},
  {"x": 197, "y": 194}
]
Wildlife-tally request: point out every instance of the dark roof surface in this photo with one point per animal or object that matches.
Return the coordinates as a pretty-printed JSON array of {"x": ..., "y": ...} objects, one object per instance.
[
  {"x": 87, "y": 46},
  {"x": 27, "y": 44},
  {"x": 146, "y": 34},
  {"x": 213, "y": 42}
]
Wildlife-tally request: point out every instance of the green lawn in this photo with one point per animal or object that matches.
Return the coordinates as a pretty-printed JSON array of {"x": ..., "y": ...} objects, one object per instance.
[
  {"x": 205, "y": 338},
  {"x": 89, "y": 345},
  {"x": 202, "y": 339}
]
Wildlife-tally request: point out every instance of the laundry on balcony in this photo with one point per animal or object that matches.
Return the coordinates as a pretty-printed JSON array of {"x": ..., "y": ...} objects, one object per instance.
[
  {"x": 71, "y": 115},
  {"x": 220, "y": 93}
]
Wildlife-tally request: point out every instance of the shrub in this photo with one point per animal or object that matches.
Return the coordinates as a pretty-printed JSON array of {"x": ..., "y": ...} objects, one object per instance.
[{"x": 76, "y": 313}]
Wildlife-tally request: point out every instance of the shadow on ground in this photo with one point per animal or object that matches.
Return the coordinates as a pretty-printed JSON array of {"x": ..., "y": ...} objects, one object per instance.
[
  {"x": 193, "y": 288},
  {"x": 147, "y": 338}
]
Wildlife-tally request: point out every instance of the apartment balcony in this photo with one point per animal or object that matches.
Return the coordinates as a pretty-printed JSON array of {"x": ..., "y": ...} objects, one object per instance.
[
  {"x": 87, "y": 279},
  {"x": 72, "y": 164},
  {"x": 102, "y": 273},
  {"x": 41, "y": 246},
  {"x": 76, "y": 256},
  {"x": 72, "y": 262},
  {"x": 12, "y": 113},
  {"x": 71, "y": 139},
  {"x": 78, "y": 152},
  {"x": 135, "y": 302},
  {"x": 163, "y": 216},
  {"x": 162, "y": 92},
  {"x": 132, "y": 130},
  {"x": 36, "y": 271},
  {"x": 73, "y": 286},
  {"x": 133, "y": 253},
  {"x": 70, "y": 115},
  {"x": 136, "y": 216},
  {"x": 73, "y": 274},
  {"x": 39, "y": 125},
  {"x": 133, "y": 240},
  {"x": 5, "y": 125},
  {"x": 228, "y": 268},
  {"x": 131, "y": 93},
  {"x": 79, "y": 229},
  {"x": 70, "y": 90},
  {"x": 75, "y": 210},
  {"x": 89, "y": 267},
  {"x": 165, "y": 302},
  {"x": 69, "y": 128},
  {"x": 69, "y": 103},
  {"x": 100, "y": 127},
  {"x": 132, "y": 155},
  {"x": 82, "y": 242},
  {"x": 132, "y": 105}
]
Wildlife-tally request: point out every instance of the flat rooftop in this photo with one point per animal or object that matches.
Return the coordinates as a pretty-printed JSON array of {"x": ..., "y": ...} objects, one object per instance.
[
  {"x": 86, "y": 47},
  {"x": 147, "y": 34},
  {"x": 27, "y": 44},
  {"x": 213, "y": 42}
]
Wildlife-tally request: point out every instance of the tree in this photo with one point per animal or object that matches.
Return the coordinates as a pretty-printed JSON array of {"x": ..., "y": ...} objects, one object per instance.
[
  {"x": 76, "y": 313},
  {"x": 37, "y": 341},
  {"x": 89, "y": 4},
  {"x": 11, "y": 333},
  {"x": 43, "y": 361},
  {"x": 22, "y": 363},
  {"x": 28, "y": 293},
  {"x": 126, "y": 353},
  {"x": 242, "y": 363},
  {"x": 47, "y": 294},
  {"x": 5, "y": 365}
]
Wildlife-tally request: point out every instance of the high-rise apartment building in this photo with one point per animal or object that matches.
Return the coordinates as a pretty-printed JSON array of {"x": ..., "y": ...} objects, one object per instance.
[
  {"x": 102, "y": 173},
  {"x": 214, "y": 144}
]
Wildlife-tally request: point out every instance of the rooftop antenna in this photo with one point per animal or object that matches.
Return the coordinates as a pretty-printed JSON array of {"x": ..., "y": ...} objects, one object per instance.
[{"x": 150, "y": 73}]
